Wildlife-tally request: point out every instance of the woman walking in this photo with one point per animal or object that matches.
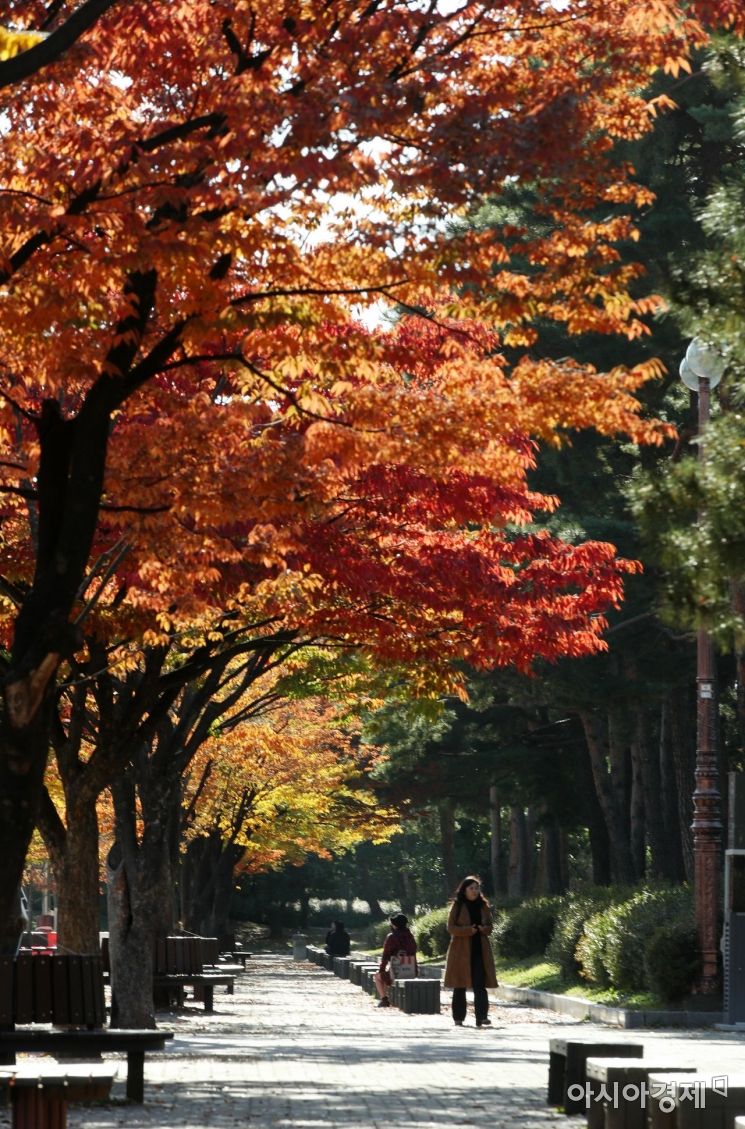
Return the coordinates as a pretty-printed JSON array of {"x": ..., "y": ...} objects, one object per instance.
[{"x": 470, "y": 961}]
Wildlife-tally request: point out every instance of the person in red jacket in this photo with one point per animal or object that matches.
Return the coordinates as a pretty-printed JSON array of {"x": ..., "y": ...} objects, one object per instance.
[{"x": 398, "y": 957}]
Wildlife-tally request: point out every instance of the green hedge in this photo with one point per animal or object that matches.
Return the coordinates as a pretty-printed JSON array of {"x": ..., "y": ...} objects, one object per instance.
[
  {"x": 431, "y": 933},
  {"x": 527, "y": 929},
  {"x": 377, "y": 933},
  {"x": 612, "y": 949},
  {"x": 672, "y": 961},
  {"x": 610, "y": 936},
  {"x": 575, "y": 910}
]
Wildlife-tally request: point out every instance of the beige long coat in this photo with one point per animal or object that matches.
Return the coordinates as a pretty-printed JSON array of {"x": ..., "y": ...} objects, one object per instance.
[{"x": 458, "y": 967}]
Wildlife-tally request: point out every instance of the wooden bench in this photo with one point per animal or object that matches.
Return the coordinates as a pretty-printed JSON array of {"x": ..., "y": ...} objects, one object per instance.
[
  {"x": 61, "y": 989},
  {"x": 238, "y": 956},
  {"x": 203, "y": 984},
  {"x": 176, "y": 954},
  {"x": 39, "y": 1096},
  {"x": 135, "y": 1044},
  {"x": 566, "y": 1066},
  {"x": 616, "y": 1090},
  {"x": 224, "y": 970},
  {"x": 66, "y": 990},
  {"x": 184, "y": 960},
  {"x": 695, "y": 1101}
]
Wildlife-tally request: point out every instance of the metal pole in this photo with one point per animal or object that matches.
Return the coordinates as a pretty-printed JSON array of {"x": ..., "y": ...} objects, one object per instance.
[{"x": 707, "y": 822}]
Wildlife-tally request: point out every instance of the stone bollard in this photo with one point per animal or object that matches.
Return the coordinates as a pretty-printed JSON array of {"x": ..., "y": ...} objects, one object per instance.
[{"x": 298, "y": 946}]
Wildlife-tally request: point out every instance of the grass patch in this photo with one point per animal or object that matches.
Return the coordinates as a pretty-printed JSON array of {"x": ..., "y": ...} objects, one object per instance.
[{"x": 544, "y": 976}]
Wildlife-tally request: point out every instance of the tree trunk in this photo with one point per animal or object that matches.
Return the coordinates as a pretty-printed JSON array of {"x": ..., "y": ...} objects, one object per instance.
[
  {"x": 207, "y": 871},
  {"x": 198, "y": 869},
  {"x": 409, "y": 891},
  {"x": 78, "y": 879},
  {"x": 447, "y": 840},
  {"x": 531, "y": 854},
  {"x": 211, "y": 863},
  {"x": 608, "y": 786},
  {"x": 367, "y": 891},
  {"x": 143, "y": 881},
  {"x": 564, "y": 858},
  {"x": 552, "y": 864},
  {"x": 223, "y": 894},
  {"x": 640, "y": 770},
  {"x": 519, "y": 865},
  {"x": 23, "y": 759},
  {"x": 661, "y": 837},
  {"x": 594, "y": 820},
  {"x": 130, "y": 952},
  {"x": 495, "y": 841},
  {"x": 670, "y": 848}
]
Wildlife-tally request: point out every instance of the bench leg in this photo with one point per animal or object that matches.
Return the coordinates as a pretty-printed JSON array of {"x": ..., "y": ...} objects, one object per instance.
[
  {"x": 36, "y": 1108},
  {"x": 598, "y": 1112},
  {"x": 208, "y": 990},
  {"x": 136, "y": 1076},
  {"x": 574, "y": 1075},
  {"x": 556, "y": 1076},
  {"x": 230, "y": 988}
]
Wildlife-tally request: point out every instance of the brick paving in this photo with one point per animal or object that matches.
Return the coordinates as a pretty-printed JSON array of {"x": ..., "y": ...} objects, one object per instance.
[{"x": 297, "y": 1048}]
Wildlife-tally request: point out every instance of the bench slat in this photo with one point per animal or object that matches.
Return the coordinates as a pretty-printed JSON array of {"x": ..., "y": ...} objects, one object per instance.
[
  {"x": 43, "y": 998},
  {"x": 6, "y": 991},
  {"x": 134, "y": 1043},
  {"x": 23, "y": 1009},
  {"x": 75, "y": 989},
  {"x": 59, "y": 989}
]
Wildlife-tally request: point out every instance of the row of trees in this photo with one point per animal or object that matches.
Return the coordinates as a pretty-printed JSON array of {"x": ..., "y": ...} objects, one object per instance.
[
  {"x": 209, "y": 462},
  {"x": 587, "y": 769}
]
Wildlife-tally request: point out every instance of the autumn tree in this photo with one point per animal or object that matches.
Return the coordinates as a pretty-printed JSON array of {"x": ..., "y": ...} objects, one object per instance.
[
  {"x": 107, "y": 712},
  {"x": 267, "y": 792},
  {"x": 196, "y": 198}
]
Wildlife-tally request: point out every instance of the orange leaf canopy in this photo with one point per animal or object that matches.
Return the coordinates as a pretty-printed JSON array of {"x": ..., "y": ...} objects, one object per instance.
[
  {"x": 284, "y": 785},
  {"x": 204, "y": 205}
]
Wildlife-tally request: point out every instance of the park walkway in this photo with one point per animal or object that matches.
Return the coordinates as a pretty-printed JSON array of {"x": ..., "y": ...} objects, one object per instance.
[{"x": 297, "y": 1048}]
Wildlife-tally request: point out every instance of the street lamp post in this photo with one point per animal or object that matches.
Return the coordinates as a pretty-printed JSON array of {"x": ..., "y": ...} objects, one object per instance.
[{"x": 701, "y": 370}]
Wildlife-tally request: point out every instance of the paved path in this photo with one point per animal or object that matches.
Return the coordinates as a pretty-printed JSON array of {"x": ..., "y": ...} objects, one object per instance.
[{"x": 297, "y": 1048}]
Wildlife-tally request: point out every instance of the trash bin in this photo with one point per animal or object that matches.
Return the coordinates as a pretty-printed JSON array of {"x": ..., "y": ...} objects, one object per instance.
[{"x": 298, "y": 946}]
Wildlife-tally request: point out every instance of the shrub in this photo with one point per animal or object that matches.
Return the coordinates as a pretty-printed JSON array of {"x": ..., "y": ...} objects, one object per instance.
[
  {"x": 612, "y": 947},
  {"x": 634, "y": 922},
  {"x": 575, "y": 910},
  {"x": 671, "y": 961},
  {"x": 527, "y": 929},
  {"x": 377, "y": 933},
  {"x": 590, "y": 950},
  {"x": 431, "y": 933}
]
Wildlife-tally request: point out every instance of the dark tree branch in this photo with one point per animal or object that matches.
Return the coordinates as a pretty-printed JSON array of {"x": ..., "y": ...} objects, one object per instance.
[
  {"x": 56, "y": 43},
  {"x": 52, "y": 829}
]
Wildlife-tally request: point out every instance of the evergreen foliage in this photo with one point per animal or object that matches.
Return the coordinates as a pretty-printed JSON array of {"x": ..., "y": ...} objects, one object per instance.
[
  {"x": 576, "y": 910},
  {"x": 527, "y": 929},
  {"x": 611, "y": 951},
  {"x": 690, "y": 511},
  {"x": 671, "y": 961},
  {"x": 431, "y": 933}
]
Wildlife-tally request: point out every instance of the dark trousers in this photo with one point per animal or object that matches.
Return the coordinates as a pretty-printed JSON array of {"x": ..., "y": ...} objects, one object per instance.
[{"x": 480, "y": 998}]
